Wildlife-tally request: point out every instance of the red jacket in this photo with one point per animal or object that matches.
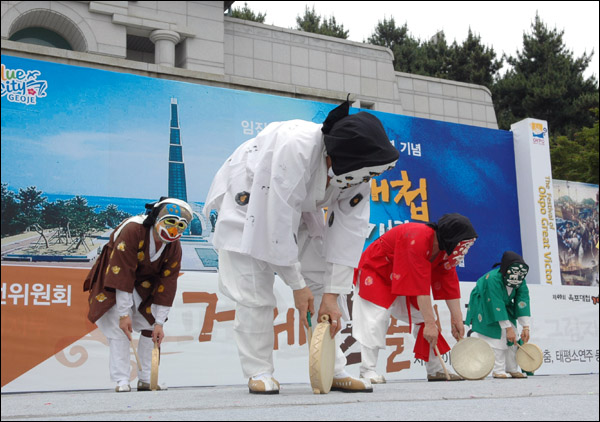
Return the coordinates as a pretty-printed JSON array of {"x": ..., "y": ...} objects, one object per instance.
[{"x": 397, "y": 264}]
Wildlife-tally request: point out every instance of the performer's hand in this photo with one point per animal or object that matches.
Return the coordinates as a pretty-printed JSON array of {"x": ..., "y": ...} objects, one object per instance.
[
  {"x": 125, "y": 325},
  {"x": 431, "y": 332},
  {"x": 329, "y": 306},
  {"x": 158, "y": 334},
  {"x": 510, "y": 335},
  {"x": 304, "y": 301},
  {"x": 458, "y": 329},
  {"x": 525, "y": 334},
  {"x": 456, "y": 319}
]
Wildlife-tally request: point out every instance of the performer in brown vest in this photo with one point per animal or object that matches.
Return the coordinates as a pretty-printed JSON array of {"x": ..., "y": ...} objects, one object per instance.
[{"x": 133, "y": 284}]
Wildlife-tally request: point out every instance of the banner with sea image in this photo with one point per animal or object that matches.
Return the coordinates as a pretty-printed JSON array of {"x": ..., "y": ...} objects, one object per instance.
[{"x": 83, "y": 148}]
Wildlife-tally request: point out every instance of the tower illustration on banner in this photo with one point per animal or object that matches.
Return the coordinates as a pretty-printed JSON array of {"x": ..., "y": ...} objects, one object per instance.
[
  {"x": 177, "y": 186},
  {"x": 198, "y": 252}
]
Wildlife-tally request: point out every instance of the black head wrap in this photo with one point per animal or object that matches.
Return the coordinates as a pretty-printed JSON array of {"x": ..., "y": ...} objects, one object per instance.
[
  {"x": 509, "y": 258},
  {"x": 358, "y": 141},
  {"x": 513, "y": 269},
  {"x": 152, "y": 212},
  {"x": 336, "y": 114},
  {"x": 452, "y": 229}
]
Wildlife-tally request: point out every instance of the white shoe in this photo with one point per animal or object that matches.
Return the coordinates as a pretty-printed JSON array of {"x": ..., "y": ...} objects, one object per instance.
[
  {"x": 263, "y": 384},
  {"x": 125, "y": 388},
  {"x": 373, "y": 376}
]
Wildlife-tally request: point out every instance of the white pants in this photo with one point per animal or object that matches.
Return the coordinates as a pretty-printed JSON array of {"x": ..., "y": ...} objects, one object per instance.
[
  {"x": 370, "y": 323},
  {"x": 249, "y": 283},
  {"x": 120, "y": 361},
  {"x": 505, "y": 355}
]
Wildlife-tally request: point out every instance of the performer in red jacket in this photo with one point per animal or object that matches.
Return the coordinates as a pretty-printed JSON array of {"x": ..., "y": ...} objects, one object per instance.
[{"x": 395, "y": 277}]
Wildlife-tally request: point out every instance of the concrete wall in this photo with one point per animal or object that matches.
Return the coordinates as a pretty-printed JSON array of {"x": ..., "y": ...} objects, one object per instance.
[
  {"x": 450, "y": 101},
  {"x": 311, "y": 62}
]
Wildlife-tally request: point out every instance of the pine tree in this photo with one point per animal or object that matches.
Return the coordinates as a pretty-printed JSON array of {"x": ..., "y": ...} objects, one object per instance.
[
  {"x": 247, "y": 14},
  {"x": 434, "y": 57},
  {"x": 547, "y": 82},
  {"x": 576, "y": 159},
  {"x": 406, "y": 52},
  {"x": 472, "y": 62},
  {"x": 311, "y": 22}
]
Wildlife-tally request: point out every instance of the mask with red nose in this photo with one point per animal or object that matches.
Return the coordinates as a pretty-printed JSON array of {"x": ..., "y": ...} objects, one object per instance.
[
  {"x": 172, "y": 219},
  {"x": 458, "y": 254}
]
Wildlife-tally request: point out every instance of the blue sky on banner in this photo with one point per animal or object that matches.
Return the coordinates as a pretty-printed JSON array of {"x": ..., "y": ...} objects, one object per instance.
[{"x": 100, "y": 133}]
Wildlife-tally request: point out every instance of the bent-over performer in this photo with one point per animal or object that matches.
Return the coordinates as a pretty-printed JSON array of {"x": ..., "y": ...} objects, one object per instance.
[
  {"x": 498, "y": 301},
  {"x": 270, "y": 196},
  {"x": 133, "y": 284},
  {"x": 396, "y": 276}
]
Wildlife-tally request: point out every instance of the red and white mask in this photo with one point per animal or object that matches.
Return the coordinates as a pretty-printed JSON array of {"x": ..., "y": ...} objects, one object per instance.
[
  {"x": 172, "y": 220},
  {"x": 458, "y": 254}
]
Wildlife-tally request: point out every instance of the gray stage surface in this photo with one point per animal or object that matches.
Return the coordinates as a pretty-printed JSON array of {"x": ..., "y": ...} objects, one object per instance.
[{"x": 552, "y": 397}]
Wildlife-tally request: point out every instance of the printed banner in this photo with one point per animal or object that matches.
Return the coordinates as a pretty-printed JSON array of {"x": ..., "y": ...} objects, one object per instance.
[
  {"x": 83, "y": 149},
  {"x": 199, "y": 350},
  {"x": 576, "y": 207},
  {"x": 536, "y": 204},
  {"x": 97, "y": 146}
]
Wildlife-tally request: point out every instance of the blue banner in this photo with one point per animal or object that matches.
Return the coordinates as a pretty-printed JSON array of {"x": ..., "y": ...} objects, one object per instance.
[{"x": 72, "y": 132}]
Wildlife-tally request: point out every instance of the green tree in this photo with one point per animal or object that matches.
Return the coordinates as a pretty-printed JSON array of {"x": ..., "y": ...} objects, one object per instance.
[
  {"x": 434, "y": 57},
  {"x": 588, "y": 138},
  {"x": 470, "y": 62},
  {"x": 576, "y": 159},
  {"x": 112, "y": 216},
  {"x": 547, "y": 82},
  {"x": 31, "y": 202},
  {"x": 54, "y": 214},
  {"x": 404, "y": 47},
  {"x": 311, "y": 22},
  {"x": 29, "y": 216},
  {"x": 82, "y": 219},
  {"x": 473, "y": 62},
  {"x": 10, "y": 209},
  {"x": 247, "y": 14}
]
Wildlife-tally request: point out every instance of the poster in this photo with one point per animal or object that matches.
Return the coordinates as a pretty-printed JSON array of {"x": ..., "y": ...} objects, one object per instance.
[
  {"x": 83, "y": 148},
  {"x": 576, "y": 207}
]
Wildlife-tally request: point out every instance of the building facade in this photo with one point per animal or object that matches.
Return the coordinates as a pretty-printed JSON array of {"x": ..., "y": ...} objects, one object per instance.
[{"x": 193, "y": 41}]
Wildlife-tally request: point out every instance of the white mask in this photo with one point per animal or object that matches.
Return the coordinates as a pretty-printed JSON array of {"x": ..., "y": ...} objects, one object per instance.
[{"x": 357, "y": 177}]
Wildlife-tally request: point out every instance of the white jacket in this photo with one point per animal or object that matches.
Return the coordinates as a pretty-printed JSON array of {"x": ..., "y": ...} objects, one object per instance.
[{"x": 284, "y": 171}]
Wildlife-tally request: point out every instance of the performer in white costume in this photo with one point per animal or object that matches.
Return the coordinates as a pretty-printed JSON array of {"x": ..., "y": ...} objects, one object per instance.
[
  {"x": 133, "y": 283},
  {"x": 270, "y": 196}
]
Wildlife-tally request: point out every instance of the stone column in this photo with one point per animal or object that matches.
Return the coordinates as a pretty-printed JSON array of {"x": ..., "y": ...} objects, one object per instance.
[{"x": 165, "y": 42}]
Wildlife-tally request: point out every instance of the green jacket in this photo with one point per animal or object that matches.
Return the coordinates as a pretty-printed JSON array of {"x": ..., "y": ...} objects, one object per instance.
[{"x": 490, "y": 303}]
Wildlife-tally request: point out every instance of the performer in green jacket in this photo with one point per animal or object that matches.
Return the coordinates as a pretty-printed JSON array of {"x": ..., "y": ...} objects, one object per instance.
[{"x": 499, "y": 299}]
